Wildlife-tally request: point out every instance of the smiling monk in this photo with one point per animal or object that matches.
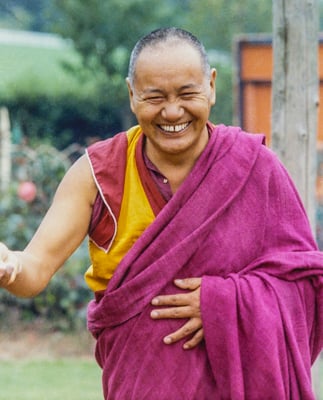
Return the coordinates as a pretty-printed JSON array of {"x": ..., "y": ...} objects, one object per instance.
[{"x": 208, "y": 283}]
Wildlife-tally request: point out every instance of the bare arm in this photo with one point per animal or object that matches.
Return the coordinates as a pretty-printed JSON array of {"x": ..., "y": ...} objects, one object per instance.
[{"x": 62, "y": 230}]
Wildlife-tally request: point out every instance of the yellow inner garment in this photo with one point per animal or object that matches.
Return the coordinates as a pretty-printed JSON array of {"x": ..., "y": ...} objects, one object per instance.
[{"x": 136, "y": 215}]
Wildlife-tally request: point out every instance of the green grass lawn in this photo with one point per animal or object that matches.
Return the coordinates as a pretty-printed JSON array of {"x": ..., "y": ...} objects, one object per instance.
[
  {"x": 67, "y": 379},
  {"x": 22, "y": 65}
]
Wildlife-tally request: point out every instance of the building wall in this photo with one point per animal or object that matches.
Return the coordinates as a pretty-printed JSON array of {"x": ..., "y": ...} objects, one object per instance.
[{"x": 254, "y": 62}]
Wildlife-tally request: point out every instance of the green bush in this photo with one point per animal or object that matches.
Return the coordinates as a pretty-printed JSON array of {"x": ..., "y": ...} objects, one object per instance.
[
  {"x": 63, "y": 302},
  {"x": 62, "y": 119},
  {"x": 62, "y": 305},
  {"x": 45, "y": 167}
]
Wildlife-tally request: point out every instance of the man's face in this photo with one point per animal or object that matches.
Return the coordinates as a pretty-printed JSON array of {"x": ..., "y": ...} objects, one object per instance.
[{"x": 171, "y": 98}]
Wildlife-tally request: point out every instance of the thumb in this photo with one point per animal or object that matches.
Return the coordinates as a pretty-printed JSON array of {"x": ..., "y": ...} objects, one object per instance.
[{"x": 188, "y": 283}]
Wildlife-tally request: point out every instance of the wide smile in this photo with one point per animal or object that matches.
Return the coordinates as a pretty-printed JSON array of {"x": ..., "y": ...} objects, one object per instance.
[{"x": 171, "y": 129}]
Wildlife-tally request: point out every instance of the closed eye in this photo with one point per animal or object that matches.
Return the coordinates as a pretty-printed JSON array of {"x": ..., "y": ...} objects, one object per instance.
[
  {"x": 154, "y": 99},
  {"x": 189, "y": 95}
]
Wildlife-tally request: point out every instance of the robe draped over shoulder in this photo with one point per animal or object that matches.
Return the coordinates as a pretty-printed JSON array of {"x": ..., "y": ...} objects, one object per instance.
[{"x": 237, "y": 222}]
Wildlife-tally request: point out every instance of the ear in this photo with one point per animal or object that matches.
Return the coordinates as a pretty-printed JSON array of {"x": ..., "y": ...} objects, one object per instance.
[
  {"x": 130, "y": 91},
  {"x": 213, "y": 86}
]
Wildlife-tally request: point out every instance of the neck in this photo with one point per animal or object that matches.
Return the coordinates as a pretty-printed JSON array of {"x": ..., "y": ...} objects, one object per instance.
[{"x": 176, "y": 166}]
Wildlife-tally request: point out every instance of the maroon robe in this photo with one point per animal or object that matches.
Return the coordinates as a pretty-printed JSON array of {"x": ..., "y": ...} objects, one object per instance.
[{"x": 237, "y": 222}]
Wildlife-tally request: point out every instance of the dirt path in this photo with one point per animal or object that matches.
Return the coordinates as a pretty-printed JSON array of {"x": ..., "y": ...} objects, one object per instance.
[{"x": 35, "y": 344}]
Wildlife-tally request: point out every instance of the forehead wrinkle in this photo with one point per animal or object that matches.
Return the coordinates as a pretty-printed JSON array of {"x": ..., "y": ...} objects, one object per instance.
[{"x": 183, "y": 87}]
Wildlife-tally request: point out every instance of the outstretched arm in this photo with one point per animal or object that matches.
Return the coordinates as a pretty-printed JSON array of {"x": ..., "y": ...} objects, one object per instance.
[{"x": 26, "y": 273}]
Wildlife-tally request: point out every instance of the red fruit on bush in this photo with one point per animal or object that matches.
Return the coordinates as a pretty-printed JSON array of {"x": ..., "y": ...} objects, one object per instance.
[{"x": 27, "y": 191}]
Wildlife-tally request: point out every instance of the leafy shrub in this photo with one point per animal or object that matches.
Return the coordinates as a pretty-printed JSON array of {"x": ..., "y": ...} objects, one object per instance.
[
  {"x": 62, "y": 119},
  {"x": 45, "y": 167},
  {"x": 63, "y": 302}
]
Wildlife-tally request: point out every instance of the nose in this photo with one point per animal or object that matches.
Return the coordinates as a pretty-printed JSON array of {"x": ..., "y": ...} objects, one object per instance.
[{"x": 172, "y": 111}]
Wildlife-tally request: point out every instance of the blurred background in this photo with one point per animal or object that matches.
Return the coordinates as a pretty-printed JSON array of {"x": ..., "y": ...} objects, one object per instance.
[
  {"x": 63, "y": 65},
  {"x": 62, "y": 86}
]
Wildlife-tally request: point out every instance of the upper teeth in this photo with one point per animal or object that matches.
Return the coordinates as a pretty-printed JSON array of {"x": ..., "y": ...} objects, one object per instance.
[{"x": 174, "y": 128}]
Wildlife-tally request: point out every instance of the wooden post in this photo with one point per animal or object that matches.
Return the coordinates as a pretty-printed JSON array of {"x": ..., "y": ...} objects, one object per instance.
[
  {"x": 295, "y": 93},
  {"x": 5, "y": 149},
  {"x": 295, "y": 99}
]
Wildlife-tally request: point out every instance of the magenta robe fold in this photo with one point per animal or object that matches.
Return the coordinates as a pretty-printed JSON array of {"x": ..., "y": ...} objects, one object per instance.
[{"x": 238, "y": 223}]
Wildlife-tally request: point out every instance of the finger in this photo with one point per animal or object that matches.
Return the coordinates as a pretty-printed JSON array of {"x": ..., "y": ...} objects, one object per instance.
[
  {"x": 13, "y": 265},
  {"x": 172, "y": 313},
  {"x": 179, "y": 299},
  {"x": 195, "y": 340},
  {"x": 2, "y": 270},
  {"x": 3, "y": 252},
  {"x": 9, "y": 269},
  {"x": 188, "y": 283},
  {"x": 12, "y": 273},
  {"x": 188, "y": 329},
  {"x": 5, "y": 273}
]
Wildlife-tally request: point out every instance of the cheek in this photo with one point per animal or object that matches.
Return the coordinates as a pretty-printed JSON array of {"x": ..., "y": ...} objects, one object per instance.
[{"x": 146, "y": 114}]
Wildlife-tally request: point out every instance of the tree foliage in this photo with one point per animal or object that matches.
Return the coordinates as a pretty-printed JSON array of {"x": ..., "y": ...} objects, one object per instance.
[
  {"x": 217, "y": 21},
  {"x": 104, "y": 32},
  {"x": 33, "y": 15}
]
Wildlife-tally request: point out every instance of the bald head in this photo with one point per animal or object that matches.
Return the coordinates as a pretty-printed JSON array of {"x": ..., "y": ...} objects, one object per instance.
[{"x": 167, "y": 37}]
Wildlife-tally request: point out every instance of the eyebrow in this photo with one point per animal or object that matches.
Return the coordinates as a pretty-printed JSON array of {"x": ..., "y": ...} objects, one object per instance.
[
  {"x": 151, "y": 90},
  {"x": 190, "y": 86}
]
